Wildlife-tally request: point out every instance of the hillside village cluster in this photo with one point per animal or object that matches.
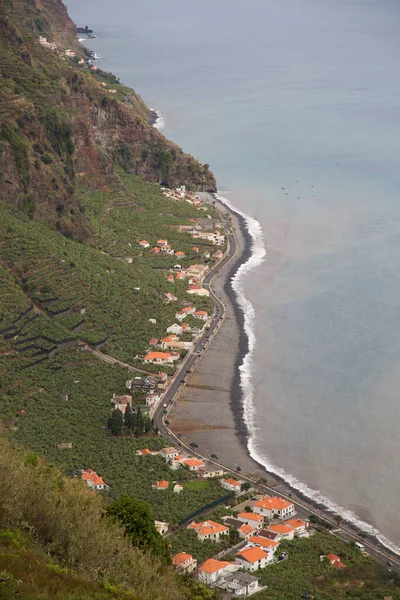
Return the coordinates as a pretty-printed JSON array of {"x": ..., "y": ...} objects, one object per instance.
[{"x": 261, "y": 524}]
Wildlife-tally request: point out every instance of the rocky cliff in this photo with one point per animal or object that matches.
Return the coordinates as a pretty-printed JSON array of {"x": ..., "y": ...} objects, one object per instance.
[{"x": 65, "y": 126}]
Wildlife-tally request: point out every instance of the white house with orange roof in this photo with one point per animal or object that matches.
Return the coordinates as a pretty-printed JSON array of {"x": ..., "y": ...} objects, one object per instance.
[
  {"x": 211, "y": 570},
  {"x": 274, "y": 507},
  {"x": 184, "y": 312},
  {"x": 256, "y": 521},
  {"x": 201, "y": 314},
  {"x": 94, "y": 481},
  {"x": 246, "y": 531},
  {"x": 252, "y": 559},
  {"x": 193, "y": 464},
  {"x": 184, "y": 563},
  {"x": 232, "y": 485},
  {"x": 284, "y": 531},
  {"x": 269, "y": 546},
  {"x": 158, "y": 358},
  {"x": 299, "y": 526},
  {"x": 180, "y": 254},
  {"x": 144, "y": 243},
  {"x": 144, "y": 452},
  {"x": 197, "y": 290},
  {"x": 209, "y": 530},
  {"x": 162, "y": 242},
  {"x": 161, "y": 485}
]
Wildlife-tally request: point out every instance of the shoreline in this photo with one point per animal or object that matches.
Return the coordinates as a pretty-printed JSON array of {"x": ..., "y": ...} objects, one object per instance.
[{"x": 201, "y": 432}]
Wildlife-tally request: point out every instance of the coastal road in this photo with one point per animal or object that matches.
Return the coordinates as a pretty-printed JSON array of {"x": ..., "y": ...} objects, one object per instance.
[{"x": 303, "y": 510}]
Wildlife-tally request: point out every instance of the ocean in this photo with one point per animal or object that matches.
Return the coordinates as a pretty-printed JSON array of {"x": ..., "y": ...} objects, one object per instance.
[{"x": 295, "y": 106}]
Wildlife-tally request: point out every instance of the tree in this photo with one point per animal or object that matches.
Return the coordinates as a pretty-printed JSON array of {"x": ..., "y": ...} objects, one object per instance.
[
  {"x": 234, "y": 536},
  {"x": 116, "y": 422},
  {"x": 136, "y": 518},
  {"x": 129, "y": 419},
  {"x": 246, "y": 486},
  {"x": 193, "y": 445},
  {"x": 139, "y": 421}
]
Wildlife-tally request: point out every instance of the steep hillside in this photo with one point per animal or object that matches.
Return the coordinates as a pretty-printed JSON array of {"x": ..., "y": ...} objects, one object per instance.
[{"x": 64, "y": 126}]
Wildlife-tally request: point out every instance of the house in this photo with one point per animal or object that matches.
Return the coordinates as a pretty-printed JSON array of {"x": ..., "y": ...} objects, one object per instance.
[
  {"x": 298, "y": 525},
  {"x": 94, "y": 68},
  {"x": 209, "y": 530},
  {"x": 162, "y": 242},
  {"x": 335, "y": 561},
  {"x": 232, "y": 522},
  {"x": 174, "y": 356},
  {"x": 112, "y": 91},
  {"x": 144, "y": 243},
  {"x": 153, "y": 342},
  {"x": 214, "y": 238},
  {"x": 121, "y": 402},
  {"x": 161, "y": 527},
  {"x": 270, "y": 535},
  {"x": 152, "y": 399},
  {"x": 169, "y": 453},
  {"x": 211, "y": 570},
  {"x": 170, "y": 278},
  {"x": 274, "y": 507},
  {"x": 218, "y": 254},
  {"x": 177, "y": 268},
  {"x": 255, "y": 521},
  {"x": 246, "y": 531},
  {"x": 180, "y": 276},
  {"x": 144, "y": 452},
  {"x": 161, "y": 485},
  {"x": 175, "y": 329},
  {"x": 178, "y": 488},
  {"x": 201, "y": 314},
  {"x": 140, "y": 382},
  {"x": 158, "y": 358},
  {"x": 81, "y": 61},
  {"x": 252, "y": 559},
  {"x": 155, "y": 250},
  {"x": 180, "y": 254},
  {"x": 69, "y": 53},
  {"x": 232, "y": 485},
  {"x": 166, "y": 249},
  {"x": 184, "y": 312},
  {"x": 284, "y": 531},
  {"x": 197, "y": 270},
  {"x": 269, "y": 546},
  {"x": 93, "y": 480},
  {"x": 184, "y": 563},
  {"x": 103, "y": 84},
  {"x": 170, "y": 297},
  {"x": 210, "y": 471},
  {"x": 199, "y": 291},
  {"x": 194, "y": 464},
  {"x": 186, "y": 328},
  {"x": 239, "y": 584},
  {"x": 195, "y": 249}
]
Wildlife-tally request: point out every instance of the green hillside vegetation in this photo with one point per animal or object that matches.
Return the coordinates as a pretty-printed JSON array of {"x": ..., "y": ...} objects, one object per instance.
[{"x": 75, "y": 544}]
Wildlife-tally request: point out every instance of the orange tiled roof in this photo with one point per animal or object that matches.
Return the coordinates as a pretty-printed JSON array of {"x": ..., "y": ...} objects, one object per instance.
[
  {"x": 296, "y": 523},
  {"x": 231, "y": 481},
  {"x": 145, "y": 452},
  {"x": 250, "y": 516},
  {"x": 207, "y": 527},
  {"x": 180, "y": 558},
  {"x": 280, "y": 528},
  {"x": 162, "y": 484},
  {"x": 211, "y": 565},
  {"x": 201, "y": 312},
  {"x": 194, "y": 462},
  {"x": 153, "y": 355},
  {"x": 332, "y": 557},
  {"x": 262, "y": 541},
  {"x": 252, "y": 555},
  {"x": 246, "y": 529},
  {"x": 169, "y": 450},
  {"x": 273, "y": 503}
]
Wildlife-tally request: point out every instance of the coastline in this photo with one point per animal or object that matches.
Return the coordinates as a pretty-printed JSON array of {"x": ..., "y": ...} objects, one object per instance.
[{"x": 203, "y": 401}]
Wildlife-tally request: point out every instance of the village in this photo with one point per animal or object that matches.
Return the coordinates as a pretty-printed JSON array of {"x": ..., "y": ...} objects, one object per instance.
[{"x": 257, "y": 524}]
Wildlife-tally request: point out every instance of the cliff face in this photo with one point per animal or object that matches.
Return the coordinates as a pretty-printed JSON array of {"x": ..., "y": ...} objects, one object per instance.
[{"x": 65, "y": 127}]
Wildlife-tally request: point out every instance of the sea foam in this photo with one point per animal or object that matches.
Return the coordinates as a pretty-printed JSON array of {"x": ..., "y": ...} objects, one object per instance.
[
  {"x": 258, "y": 254},
  {"x": 159, "y": 123}
]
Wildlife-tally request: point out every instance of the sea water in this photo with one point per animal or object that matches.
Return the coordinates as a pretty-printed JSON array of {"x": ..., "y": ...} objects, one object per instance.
[{"x": 295, "y": 106}]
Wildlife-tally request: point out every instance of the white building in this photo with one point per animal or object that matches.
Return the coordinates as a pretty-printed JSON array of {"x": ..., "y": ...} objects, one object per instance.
[
  {"x": 175, "y": 329},
  {"x": 184, "y": 563},
  {"x": 211, "y": 570},
  {"x": 232, "y": 485},
  {"x": 239, "y": 584},
  {"x": 252, "y": 559},
  {"x": 256, "y": 521},
  {"x": 274, "y": 507}
]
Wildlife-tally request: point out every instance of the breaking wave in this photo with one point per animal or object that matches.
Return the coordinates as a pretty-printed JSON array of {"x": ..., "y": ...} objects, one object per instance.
[
  {"x": 159, "y": 121},
  {"x": 258, "y": 253}
]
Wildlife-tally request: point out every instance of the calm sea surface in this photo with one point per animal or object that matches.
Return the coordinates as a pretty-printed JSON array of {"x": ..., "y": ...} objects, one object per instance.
[{"x": 295, "y": 104}]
